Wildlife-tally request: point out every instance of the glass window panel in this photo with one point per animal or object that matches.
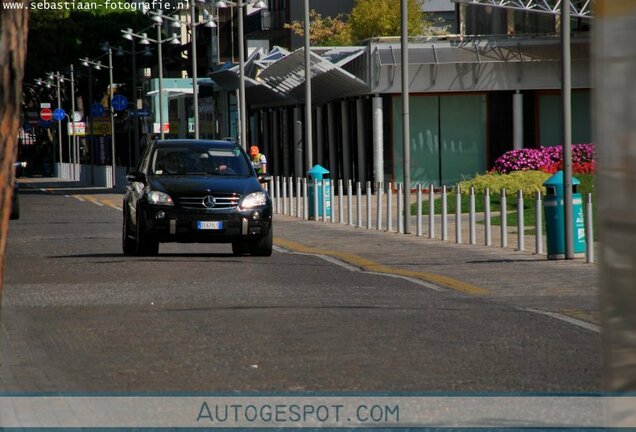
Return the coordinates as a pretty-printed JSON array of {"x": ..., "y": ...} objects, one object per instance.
[
  {"x": 464, "y": 135},
  {"x": 424, "y": 140}
]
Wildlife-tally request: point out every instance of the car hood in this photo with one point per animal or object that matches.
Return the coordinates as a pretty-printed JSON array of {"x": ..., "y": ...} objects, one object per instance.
[{"x": 202, "y": 185}]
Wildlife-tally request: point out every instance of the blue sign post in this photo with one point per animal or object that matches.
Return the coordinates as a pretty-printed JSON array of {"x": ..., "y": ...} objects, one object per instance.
[
  {"x": 97, "y": 110},
  {"x": 119, "y": 102},
  {"x": 59, "y": 114}
]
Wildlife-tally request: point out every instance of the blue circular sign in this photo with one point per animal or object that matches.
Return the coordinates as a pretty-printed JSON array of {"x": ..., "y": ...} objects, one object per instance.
[
  {"x": 119, "y": 102},
  {"x": 97, "y": 110},
  {"x": 59, "y": 114}
]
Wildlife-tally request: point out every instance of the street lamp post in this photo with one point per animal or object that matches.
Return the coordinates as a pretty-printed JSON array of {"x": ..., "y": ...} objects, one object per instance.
[
  {"x": 406, "y": 131},
  {"x": 308, "y": 118},
  {"x": 567, "y": 130},
  {"x": 112, "y": 116},
  {"x": 119, "y": 51},
  {"x": 145, "y": 40},
  {"x": 193, "y": 41},
  {"x": 240, "y": 4},
  {"x": 98, "y": 65}
]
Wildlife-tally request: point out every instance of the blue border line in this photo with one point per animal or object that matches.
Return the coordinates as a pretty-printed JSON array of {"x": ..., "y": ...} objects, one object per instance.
[{"x": 314, "y": 394}]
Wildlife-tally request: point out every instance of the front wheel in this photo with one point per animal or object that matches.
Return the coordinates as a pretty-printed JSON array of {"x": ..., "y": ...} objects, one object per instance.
[
  {"x": 128, "y": 244},
  {"x": 263, "y": 246},
  {"x": 146, "y": 245}
]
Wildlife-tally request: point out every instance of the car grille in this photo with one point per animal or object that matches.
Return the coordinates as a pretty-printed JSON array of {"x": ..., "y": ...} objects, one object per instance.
[{"x": 221, "y": 202}]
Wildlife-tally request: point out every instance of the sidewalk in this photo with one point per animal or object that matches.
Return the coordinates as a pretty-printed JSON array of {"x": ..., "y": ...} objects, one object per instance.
[{"x": 518, "y": 279}]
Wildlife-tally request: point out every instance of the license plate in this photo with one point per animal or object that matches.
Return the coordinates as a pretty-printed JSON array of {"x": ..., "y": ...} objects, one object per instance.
[{"x": 209, "y": 225}]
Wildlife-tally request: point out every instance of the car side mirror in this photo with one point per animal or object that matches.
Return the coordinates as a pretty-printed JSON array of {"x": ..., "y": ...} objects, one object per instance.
[
  {"x": 136, "y": 176},
  {"x": 264, "y": 178}
]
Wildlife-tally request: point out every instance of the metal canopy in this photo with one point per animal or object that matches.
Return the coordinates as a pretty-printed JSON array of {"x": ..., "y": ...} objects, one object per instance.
[
  {"x": 578, "y": 8},
  {"x": 329, "y": 81}
]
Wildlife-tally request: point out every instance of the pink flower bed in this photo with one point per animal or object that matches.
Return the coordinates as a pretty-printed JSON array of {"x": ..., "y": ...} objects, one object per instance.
[{"x": 547, "y": 159}]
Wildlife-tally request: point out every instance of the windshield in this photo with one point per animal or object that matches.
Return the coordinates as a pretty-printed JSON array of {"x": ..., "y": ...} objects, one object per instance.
[{"x": 199, "y": 160}]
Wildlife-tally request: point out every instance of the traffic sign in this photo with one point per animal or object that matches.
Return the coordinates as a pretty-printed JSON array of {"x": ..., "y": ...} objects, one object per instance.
[
  {"x": 97, "y": 110},
  {"x": 119, "y": 102},
  {"x": 59, "y": 114},
  {"x": 143, "y": 113},
  {"x": 46, "y": 114},
  {"x": 77, "y": 128}
]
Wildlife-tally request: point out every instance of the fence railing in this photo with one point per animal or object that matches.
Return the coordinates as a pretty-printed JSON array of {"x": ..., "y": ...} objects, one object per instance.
[
  {"x": 291, "y": 196},
  {"x": 93, "y": 175}
]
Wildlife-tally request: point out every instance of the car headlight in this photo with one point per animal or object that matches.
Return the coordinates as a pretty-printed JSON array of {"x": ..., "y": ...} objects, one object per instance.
[
  {"x": 159, "y": 198},
  {"x": 256, "y": 199}
]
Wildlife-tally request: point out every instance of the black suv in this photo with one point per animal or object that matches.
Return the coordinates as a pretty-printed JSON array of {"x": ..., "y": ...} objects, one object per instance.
[{"x": 196, "y": 191}]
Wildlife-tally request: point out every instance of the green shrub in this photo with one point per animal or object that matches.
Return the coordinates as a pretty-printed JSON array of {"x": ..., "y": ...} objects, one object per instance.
[{"x": 527, "y": 181}]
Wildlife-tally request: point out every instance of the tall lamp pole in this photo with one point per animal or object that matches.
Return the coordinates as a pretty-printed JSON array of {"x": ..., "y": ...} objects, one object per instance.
[
  {"x": 193, "y": 41},
  {"x": 73, "y": 160},
  {"x": 59, "y": 121},
  {"x": 240, "y": 4},
  {"x": 145, "y": 40},
  {"x": 112, "y": 116},
  {"x": 98, "y": 65},
  {"x": 406, "y": 130},
  {"x": 568, "y": 213},
  {"x": 308, "y": 105},
  {"x": 242, "y": 104}
]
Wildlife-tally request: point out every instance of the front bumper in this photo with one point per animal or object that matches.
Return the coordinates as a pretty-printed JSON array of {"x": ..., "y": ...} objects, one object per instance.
[{"x": 172, "y": 224}]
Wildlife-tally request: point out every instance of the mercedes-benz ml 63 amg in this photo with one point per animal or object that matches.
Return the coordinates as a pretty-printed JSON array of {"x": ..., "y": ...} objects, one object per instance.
[{"x": 196, "y": 191}]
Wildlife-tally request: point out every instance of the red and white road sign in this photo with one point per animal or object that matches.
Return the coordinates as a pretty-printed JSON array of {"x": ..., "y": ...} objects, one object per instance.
[{"x": 46, "y": 114}]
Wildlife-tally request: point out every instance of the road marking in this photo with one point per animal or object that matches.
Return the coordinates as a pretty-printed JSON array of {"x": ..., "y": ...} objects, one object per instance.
[
  {"x": 94, "y": 200},
  {"x": 567, "y": 319},
  {"x": 349, "y": 267},
  {"x": 79, "y": 198},
  {"x": 374, "y": 267}
]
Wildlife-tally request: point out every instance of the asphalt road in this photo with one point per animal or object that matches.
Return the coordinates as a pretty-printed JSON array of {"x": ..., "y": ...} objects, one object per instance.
[{"x": 79, "y": 316}]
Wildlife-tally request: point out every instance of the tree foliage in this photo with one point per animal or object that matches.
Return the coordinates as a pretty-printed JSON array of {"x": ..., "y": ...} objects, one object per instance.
[
  {"x": 368, "y": 18},
  {"x": 324, "y": 31},
  {"x": 375, "y": 18}
]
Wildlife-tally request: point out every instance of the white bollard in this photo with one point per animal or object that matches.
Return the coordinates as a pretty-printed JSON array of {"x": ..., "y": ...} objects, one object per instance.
[
  {"x": 389, "y": 208},
  {"x": 369, "y": 198},
  {"x": 521, "y": 236},
  {"x": 458, "y": 215},
  {"x": 284, "y": 197},
  {"x": 323, "y": 195},
  {"x": 358, "y": 205},
  {"x": 419, "y": 210},
  {"x": 315, "y": 201},
  {"x": 538, "y": 224},
  {"x": 589, "y": 230},
  {"x": 349, "y": 203},
  {"x": 378, "y": 210},
  {"x": 504, "y": 219},
  {"x": 298, "y": 207},
  {"x": 290, "y": 196},
  {"x": 400, "y": 204},
  {"x": 487, "y": 219},
  {"x": 305, "y": 200},
  {"x": 471, "y": 217},
  {"x": 340, "y": 201},
  {"x": 431, "y": 211},
  {"x": 444, "y": 214}
]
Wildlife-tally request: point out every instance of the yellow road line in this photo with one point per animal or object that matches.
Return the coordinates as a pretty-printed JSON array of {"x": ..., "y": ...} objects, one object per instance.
[
  {"x": 94, "y": 200},
  {"x": 376, "y": 267}
]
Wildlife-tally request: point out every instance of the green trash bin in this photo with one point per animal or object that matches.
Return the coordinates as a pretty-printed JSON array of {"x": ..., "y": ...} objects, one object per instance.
[
  {"x": 555, "y": 221},
  {"x": 320, "y": 174}
]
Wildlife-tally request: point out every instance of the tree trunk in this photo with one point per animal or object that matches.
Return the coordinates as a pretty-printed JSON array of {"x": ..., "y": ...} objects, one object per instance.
[{"x": 13, "y": 46}]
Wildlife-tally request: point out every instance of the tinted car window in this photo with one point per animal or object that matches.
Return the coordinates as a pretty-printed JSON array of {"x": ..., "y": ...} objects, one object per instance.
[{"x": 198, "y": 160}]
